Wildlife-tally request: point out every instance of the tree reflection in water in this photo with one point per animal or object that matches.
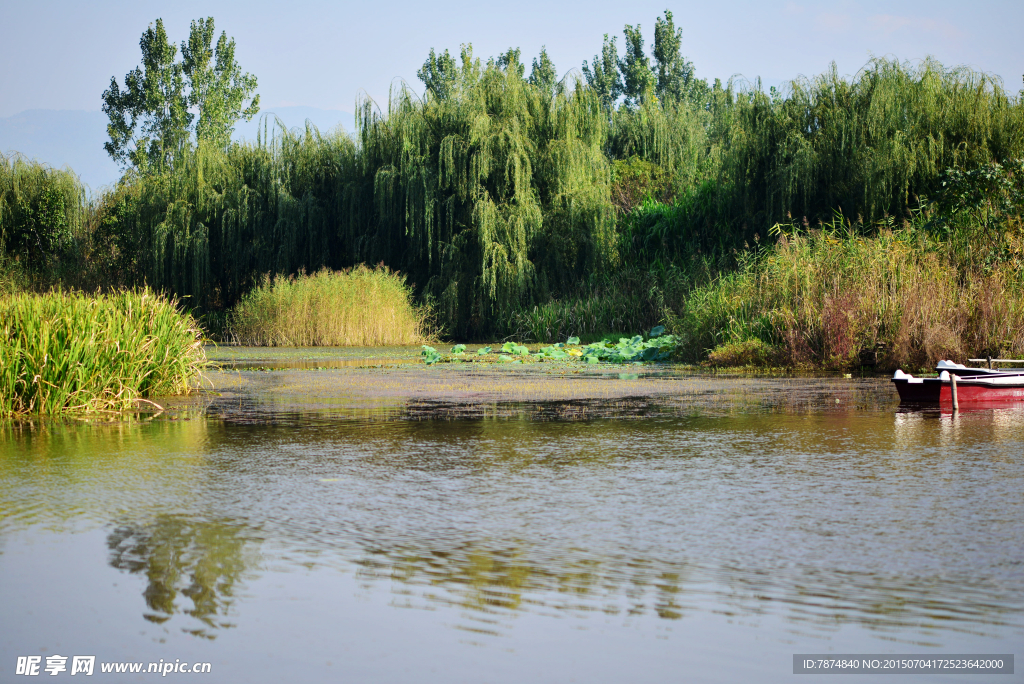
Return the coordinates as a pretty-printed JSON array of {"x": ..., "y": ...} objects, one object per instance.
[{"x": 201, "y": 560}]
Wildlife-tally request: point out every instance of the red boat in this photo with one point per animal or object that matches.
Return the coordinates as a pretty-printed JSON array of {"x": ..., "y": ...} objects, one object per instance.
[{"x": 989, "y": 388}]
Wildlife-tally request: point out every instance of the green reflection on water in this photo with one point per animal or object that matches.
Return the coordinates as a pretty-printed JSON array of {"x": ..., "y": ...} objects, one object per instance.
[{"x": 201, "y": 560}]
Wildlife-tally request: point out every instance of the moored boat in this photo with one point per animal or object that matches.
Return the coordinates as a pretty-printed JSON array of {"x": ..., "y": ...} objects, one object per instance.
[{"x": 988, "y": 388}]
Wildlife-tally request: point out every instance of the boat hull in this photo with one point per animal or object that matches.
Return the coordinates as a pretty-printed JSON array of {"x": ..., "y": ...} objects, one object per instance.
[{"x": 974, "y": 391}]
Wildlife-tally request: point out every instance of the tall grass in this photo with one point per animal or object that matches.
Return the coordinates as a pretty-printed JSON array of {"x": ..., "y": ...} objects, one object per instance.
[
  {"x": 68, "y": 352},
  {"x": 628, "y": 301},
  {"x": 356, "y": 307},
  {"x": 820, "y": 297}
]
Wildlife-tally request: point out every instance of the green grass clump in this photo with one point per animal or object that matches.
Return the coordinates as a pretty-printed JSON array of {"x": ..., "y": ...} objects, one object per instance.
[
  {"x": 749, "y": 352},
  {"x": 65, "y": 352},
  {"x": 357, "y": 307}
]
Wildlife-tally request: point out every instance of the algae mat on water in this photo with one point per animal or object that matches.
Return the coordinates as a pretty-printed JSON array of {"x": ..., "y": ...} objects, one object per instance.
[{"x": 393, "y": 383}]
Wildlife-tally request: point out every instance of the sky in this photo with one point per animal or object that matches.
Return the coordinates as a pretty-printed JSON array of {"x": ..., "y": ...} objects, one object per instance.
[
  {"x": 318, "y": 57},
  {"x": 61, "y": 55}
]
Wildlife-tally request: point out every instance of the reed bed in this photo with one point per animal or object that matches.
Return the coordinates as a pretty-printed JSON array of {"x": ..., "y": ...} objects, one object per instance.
[
  {"x": 822, "y": 297},
  {"x": 67, "y": 352},
  {"x": 357, "y": 307}
]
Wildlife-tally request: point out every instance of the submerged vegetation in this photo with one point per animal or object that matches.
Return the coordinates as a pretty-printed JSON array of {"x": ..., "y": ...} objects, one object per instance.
[
  {"x": 357, "y": 307},
  {"x": 797, "y": 226},
  {"x": 68, "y": 352}
]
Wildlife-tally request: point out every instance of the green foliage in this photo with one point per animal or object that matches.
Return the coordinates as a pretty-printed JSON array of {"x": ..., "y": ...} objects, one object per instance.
[
  {"x": 543, "y": 75},
  {"x": 631, "y": 350},
  {"x": 983, "y": 207},
  {"x": 210, "y": 227},
  {"x": 673, "y": 72},
  {"x": 150, "y": 118},
  {"x": 443, "y": 76},
  {"x": 637, "y": 181},
  {"x": 67, "y": 352},
  {"x": 430, "y": 355},
  {"x": 670, "y": 80},
  {"x": 513, "y": 348},
  {"x": 637, "y": 78},
  {"x": 819, "y": 297},
  {"x": 217, "y": 86},
  {"x": 624, "y": 301},
  {"x": 872, "y": 145},
  {"x": 654, "y": 232},
  {"x": 657, "y": 348},
  {"x": 488, "y": 198},
  {"x": 748, "y": 352},
  {"x": 604, "y": 77},
  {"x": 526, "y": 210},
  {"x": 510, "y": 60},
  {"x": 42, "y": 214}
]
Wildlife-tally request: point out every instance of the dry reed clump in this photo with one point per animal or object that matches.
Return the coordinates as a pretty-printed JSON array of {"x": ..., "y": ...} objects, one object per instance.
[
  {"x": 820, "y": 299},
  {"x": 356, "y": 307},
  {"x": 64, "y": 352}
]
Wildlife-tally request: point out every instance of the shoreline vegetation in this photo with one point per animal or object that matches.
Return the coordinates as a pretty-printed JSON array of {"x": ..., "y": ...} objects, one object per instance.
[
  {"x": 837, "y": 219},
  {"x": 358, "y": 307},
  {"x": 67, "y": 352}
]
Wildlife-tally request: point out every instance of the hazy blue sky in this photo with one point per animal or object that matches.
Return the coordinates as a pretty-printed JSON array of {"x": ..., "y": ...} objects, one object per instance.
[{"x": 61, "y": 55}]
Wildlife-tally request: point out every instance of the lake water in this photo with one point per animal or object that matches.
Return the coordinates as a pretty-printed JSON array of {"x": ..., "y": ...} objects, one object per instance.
[{"x": 355, "y": 516}]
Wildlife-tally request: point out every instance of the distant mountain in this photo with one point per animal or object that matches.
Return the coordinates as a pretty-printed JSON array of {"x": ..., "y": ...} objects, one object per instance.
[{"x": 75, "y": 138}]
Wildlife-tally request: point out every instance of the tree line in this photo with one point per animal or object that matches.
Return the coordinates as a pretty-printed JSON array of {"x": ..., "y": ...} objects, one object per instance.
[{"x": 495, "y": 191}]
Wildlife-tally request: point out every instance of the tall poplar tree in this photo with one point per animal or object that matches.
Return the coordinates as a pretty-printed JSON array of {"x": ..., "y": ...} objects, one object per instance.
[
  {"x": 543, "y": 74},
  {"x": 439, "y": 74},
  {"x": 674, "y": 73},
  {"x": 638, "y": 80},
  {"x": 150, "y": 117},
  {"x": 218, "y": 87},
  {"x": 604, "y": 76},
  {"x": 442, "y": 75}
]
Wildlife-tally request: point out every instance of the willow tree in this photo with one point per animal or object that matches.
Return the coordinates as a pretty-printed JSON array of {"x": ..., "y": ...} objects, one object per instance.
[
  {"x": 874, "y": 144},
  {"x": 490, "y": 191},
  {"x": 42, "y": 212},
  {"x": 213, "y": 225}
]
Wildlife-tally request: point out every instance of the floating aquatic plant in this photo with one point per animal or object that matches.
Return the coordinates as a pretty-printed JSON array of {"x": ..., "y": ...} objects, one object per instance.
[{"x": 658, "y": 347}]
